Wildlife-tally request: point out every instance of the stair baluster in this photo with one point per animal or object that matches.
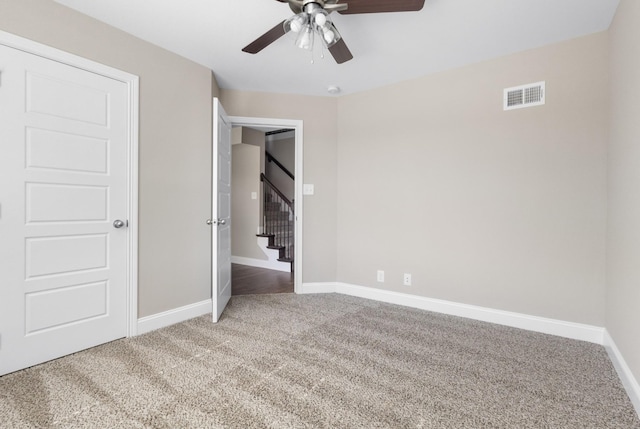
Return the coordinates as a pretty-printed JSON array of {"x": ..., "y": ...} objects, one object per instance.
[{"x": 278, "y": 220}]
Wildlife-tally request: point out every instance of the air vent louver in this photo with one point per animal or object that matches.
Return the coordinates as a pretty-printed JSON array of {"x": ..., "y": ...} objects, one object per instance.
[{"x": 524, "y": 96}]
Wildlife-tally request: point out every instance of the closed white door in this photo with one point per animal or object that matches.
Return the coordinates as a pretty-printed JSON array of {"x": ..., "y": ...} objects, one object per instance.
[
  {"x": 63, "y": 183},
  {"x": 221, "y": 211}
]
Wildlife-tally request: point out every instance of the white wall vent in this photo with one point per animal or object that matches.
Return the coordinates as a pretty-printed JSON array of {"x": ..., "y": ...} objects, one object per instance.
[{"x": 521, "y": 96}]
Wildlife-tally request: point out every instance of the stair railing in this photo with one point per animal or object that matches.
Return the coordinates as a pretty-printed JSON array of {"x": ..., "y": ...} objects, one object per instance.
[
  {"x": 278, "y": 219},
  {"x": 271, "y": 158}
]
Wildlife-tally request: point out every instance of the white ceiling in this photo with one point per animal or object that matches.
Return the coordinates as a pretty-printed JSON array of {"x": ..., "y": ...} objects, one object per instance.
[{"x": 387, "y": 47}]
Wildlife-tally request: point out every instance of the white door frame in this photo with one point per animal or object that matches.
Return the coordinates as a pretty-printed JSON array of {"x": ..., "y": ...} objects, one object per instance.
[
  {"x": 297, "y": 125},
  {"x": 132, "y": 82}
]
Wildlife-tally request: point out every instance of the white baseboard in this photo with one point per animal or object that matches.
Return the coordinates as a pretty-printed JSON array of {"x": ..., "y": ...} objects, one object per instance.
[
  {"x": 262, "y": 263},
  {"x": 560, "y": 328},
  {"x": 576, "y": 331},
  {"x": 319, "y": 288},
  {"x": 624, "y": 372},
  {"x": 177, "y": 315}
]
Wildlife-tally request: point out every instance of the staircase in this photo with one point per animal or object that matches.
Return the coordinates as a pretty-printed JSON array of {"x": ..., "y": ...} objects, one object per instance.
[{"x": 278, "y": 221}]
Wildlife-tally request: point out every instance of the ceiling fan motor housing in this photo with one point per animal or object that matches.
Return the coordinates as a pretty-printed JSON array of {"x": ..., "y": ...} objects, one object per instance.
[{"x": 298, "y": 6}]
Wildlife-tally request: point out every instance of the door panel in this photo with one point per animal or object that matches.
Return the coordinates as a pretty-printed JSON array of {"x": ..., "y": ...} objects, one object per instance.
[
  {"x": 46, "y": 256},
  {"x": 221, "y": 211},
  {"x": 39, "y": 305},
  {"x": 65, "y": 203},
  {"x": 64, "y": 151},
  {"x": 64, "y": 98},
  {"x": 64, "y": 180}
]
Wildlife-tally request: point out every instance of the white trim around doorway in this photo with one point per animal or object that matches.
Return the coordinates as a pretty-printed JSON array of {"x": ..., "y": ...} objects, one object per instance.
[{"x": 297, "y": 126}]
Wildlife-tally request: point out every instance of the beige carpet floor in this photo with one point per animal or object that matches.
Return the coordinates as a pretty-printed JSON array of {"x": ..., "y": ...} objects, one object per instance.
[{"x": 323, "y": 361}]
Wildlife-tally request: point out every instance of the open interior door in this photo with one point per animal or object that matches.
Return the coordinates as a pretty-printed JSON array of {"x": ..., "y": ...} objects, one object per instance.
[{"x": 221, "y": 211}]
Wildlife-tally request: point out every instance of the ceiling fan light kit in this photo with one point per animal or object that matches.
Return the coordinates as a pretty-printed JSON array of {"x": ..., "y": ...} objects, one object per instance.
[{"x": 312, "y": 18}]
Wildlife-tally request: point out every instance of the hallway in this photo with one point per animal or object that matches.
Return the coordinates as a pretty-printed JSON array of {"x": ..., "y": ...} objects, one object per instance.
[{"x": 247, "y": 280}]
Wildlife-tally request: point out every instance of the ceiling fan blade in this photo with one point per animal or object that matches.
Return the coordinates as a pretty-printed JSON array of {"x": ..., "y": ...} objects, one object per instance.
[
  {"x": 340, "y": 52},
  {"x": 377, "y": 6},
  {"x": 266, "y": 39}
]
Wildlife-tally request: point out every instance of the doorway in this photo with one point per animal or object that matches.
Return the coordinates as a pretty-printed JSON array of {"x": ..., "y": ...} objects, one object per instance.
[
  {"x": 249, "y": 280},
  {"x": 251, "y": 275}
]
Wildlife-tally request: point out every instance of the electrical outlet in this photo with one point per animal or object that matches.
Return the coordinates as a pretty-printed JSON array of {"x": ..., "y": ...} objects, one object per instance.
[
  {"x": 381, "y": 276},
  {"x": 407, "y": 279}
]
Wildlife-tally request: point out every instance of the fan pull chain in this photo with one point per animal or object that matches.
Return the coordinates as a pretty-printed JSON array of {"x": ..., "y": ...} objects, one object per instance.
[{"x": 321, "y": 54}]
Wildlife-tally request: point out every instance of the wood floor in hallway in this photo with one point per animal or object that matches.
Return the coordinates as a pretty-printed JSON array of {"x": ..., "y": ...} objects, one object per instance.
[{"x": 246, "y": 280}]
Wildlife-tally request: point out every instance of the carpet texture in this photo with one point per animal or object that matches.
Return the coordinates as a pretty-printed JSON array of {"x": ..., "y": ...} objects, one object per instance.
[{"x": 323, "y": 361}]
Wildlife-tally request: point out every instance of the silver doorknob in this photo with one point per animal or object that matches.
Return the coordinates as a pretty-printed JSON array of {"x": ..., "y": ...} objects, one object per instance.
[
  {"x": 221, "y": 221},
  {"x": 209, "y": 222},
  {"x": 118, "y": 223}
]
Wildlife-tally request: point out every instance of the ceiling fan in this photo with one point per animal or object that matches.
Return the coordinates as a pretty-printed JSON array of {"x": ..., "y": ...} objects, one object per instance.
[{"x": 312, "y": 19}]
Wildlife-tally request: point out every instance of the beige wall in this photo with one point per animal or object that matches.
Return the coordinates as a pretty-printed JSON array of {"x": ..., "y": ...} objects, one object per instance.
[
  {"x": 284, "y": 150},
  {"x": 623, "y": 280},
  {"x": 175, "y": 146},
  {"x": 255, "y": 138},
  {"x": 215, "y": 89},
  {"x": 498, "y": 209},
  {"x": 320, "y": 135},
  {"x": 245, "y": 212}
]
